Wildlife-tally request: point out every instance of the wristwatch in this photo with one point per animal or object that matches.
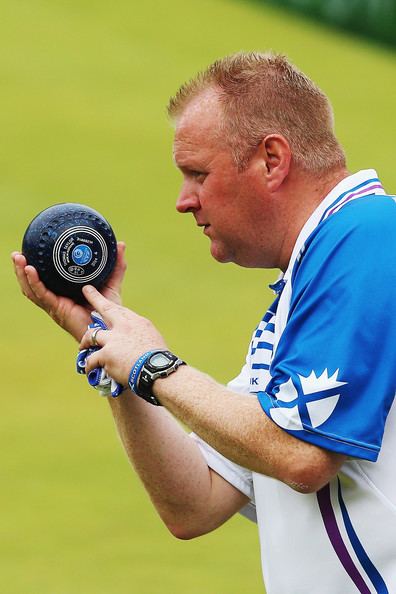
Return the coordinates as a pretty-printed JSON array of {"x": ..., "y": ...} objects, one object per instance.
[{"x": 149, "y": 367}]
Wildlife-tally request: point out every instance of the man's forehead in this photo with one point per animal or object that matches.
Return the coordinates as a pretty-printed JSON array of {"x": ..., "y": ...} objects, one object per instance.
[
  {"x": 205, "y": 101},
  {"x": 199, "y": 123},
  {"x": 201, "y": 113}
]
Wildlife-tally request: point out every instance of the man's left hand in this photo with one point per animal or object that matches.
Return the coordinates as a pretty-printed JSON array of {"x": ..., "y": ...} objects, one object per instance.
[{"x": 128, "y": 337}]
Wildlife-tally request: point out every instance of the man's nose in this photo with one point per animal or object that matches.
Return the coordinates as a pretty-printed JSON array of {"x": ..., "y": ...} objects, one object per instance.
[{"x": 188, "y": 200}]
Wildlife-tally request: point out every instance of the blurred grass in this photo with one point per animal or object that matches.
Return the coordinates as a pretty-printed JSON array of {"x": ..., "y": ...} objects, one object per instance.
[{"x": 84, "y": 89}]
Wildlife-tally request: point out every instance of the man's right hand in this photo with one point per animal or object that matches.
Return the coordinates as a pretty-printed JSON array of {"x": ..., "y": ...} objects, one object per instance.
[{"x": 72, "y": 317}]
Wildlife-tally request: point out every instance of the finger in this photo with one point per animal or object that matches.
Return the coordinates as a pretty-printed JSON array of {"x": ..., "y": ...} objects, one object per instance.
[
  {"x": 94, "y": 360},
  {"x": 30, "y": 282},
  {"x": 115, "y": 280},
  {"x": 46, "y": 298},
  {"x": 101, "y": 338},
  {"x": 20, "y": 272},
  {"x": 105, "y": 307},
  {"x": 120, "y": 267}
]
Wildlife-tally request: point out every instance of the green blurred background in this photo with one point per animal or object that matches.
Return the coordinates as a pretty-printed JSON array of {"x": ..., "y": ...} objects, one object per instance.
[{"x": 84, "y": 84}]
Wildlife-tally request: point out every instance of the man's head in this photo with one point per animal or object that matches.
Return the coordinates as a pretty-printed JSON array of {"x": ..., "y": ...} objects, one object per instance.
[
  {"x": 261, "y": 94},
  {"x": 250, "y": 132}
]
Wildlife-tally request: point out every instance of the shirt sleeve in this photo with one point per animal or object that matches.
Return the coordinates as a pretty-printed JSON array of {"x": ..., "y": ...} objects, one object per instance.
[
  {"x": 333, "y": 377},
  {"x": 239, "y": 477}
]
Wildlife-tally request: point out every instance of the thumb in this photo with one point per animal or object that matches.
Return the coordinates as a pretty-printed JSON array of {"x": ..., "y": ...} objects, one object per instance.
[{"x": 116, "y": 278}]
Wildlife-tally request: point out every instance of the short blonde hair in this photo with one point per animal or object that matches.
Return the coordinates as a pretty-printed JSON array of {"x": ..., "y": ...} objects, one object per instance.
[{"x": 262, "y": 94}]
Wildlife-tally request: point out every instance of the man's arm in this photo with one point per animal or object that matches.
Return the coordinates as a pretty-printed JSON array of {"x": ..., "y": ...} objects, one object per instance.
[
  {"x": 190, "y": 498},
  {"x": 234, "y": 425}
]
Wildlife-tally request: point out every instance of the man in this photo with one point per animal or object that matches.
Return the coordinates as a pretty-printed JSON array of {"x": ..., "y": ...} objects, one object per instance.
[{"x": 293, "y": 439}]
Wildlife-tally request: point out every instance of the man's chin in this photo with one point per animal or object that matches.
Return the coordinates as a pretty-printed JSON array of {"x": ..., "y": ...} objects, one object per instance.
[
  {"x": 220, "y": 254},
  {"x": 224, "y": 256}
]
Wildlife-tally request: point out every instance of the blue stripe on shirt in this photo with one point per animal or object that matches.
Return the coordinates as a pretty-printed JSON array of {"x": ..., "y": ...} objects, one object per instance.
[{"x": 265, "y": 345}]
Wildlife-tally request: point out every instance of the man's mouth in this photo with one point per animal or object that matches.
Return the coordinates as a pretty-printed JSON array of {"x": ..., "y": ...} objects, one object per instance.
[{"x": 204, "y": 225}]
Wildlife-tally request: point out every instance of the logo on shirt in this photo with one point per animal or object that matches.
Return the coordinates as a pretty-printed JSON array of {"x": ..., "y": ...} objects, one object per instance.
[{"x": 315, "y": 400}]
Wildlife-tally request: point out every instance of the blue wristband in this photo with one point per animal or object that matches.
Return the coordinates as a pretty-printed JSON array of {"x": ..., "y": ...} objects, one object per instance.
[{"x": 135, "y": 371}]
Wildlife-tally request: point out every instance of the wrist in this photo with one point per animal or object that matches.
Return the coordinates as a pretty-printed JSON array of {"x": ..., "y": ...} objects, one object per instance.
[
  {"x": 136, "y": 370},
  {"x": 149, "y": 367}
]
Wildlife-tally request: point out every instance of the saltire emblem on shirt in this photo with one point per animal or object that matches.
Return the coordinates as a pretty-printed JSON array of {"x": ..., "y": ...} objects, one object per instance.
[{"x": 306, "y": 400}]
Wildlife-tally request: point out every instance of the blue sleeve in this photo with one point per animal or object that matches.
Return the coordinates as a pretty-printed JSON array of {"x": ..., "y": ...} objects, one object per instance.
[{"x": 333, "y": 377}]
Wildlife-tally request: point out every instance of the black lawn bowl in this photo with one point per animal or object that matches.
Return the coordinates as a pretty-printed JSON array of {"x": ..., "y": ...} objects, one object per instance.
[{"x": 70, "y": 245}]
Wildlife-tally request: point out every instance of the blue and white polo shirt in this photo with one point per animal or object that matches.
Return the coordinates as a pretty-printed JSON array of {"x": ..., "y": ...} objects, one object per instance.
[{"x": 322, "y": 363}]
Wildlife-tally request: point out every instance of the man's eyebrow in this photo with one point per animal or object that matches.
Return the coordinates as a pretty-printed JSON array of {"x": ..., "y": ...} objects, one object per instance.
[
  {"x": 187, "y": 165},
  {"x": 189, "y": 170},
  {"x": 177, "y": 163}
]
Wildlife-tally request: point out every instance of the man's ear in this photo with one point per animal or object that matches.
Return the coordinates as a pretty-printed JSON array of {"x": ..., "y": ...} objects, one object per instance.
[{"x": 274, "y": 156}]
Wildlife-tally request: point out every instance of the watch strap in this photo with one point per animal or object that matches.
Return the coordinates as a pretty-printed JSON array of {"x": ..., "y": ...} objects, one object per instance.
[
  {"x": 142, "y": 376},
  {"x": 135, "y": 371}
]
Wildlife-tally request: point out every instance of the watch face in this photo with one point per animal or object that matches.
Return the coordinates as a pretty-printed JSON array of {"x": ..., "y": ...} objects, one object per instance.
[{"x": 159, "y": 360}]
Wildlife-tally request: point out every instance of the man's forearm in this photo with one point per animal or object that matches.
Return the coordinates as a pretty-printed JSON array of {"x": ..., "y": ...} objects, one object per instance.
[
  {"x": 186, "y": 494},
  {"x": 233, "y": 424}
]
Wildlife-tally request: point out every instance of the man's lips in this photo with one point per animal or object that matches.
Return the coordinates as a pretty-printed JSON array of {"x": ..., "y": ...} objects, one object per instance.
[{"x": 205, "y": 227}]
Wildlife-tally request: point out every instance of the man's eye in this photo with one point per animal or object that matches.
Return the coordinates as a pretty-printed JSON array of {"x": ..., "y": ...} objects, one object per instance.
[{"x": 199, "y": 175}]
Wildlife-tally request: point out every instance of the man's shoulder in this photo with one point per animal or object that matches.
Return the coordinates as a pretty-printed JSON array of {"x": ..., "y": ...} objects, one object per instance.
[
  {"x": 366, "y": 220},
  {"x": 365, "y": 211},
  {"x": 358, "y": 238}
]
